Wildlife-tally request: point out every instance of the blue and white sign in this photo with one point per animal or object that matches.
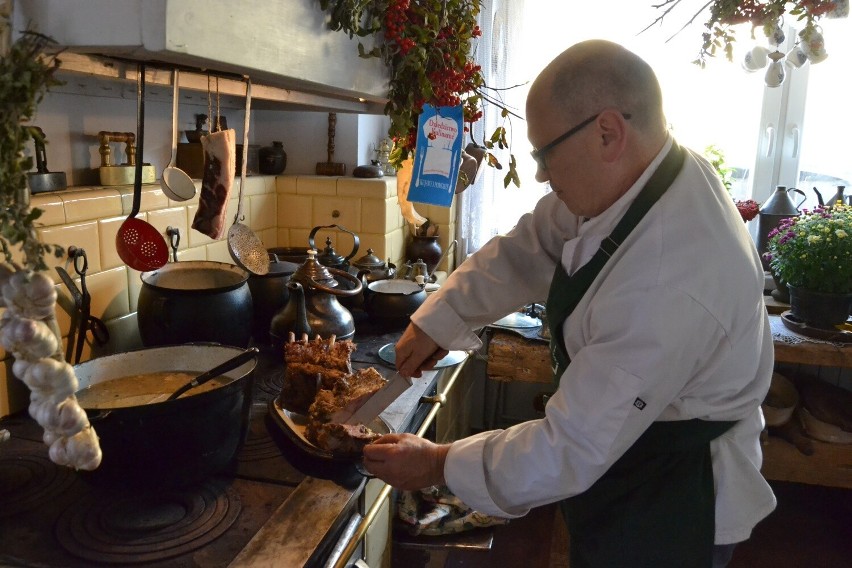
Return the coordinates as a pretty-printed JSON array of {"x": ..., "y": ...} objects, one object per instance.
[{"x": 436, "y": 161}]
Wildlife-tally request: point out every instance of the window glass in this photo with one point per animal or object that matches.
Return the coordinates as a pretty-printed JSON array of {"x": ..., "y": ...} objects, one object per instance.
[{"x": 826, "y": 158}]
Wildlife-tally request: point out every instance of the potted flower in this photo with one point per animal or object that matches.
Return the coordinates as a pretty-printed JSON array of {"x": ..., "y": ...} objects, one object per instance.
[{"x": 812, "y": 253}]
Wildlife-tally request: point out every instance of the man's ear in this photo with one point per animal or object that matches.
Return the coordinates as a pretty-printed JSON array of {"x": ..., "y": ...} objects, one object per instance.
[{"x": 613, "y": 131}]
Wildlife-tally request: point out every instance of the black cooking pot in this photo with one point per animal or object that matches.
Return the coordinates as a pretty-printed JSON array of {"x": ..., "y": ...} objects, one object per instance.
[
  {"x": 195, "y": 301},
  {"x": 390, "y": 303},
  {"x": 176, "y": 442},
  {"x": 269, "y": 294}
]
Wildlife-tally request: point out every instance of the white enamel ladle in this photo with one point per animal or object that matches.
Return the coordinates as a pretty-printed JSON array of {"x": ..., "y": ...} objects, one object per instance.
[{"x": 177, "y": 185}]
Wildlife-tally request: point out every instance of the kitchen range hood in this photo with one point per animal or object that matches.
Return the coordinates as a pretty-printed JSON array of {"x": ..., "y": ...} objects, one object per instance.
[{"x": 283, "y": 45}]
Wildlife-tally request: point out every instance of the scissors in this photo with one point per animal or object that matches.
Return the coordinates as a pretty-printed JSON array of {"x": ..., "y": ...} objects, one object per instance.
[{"x": 85, "y": 321}]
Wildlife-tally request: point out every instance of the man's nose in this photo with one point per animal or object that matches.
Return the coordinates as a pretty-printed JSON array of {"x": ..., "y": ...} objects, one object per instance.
[{"x": 541, "y": 174}]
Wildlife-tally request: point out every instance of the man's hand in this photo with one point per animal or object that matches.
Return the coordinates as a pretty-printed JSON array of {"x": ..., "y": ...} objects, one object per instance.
[
  {"x": 417, "y": 352},
  {"x": 405, "y": 461}
]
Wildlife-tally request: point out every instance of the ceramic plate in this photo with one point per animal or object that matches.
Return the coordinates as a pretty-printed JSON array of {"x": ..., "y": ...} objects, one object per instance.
[
  {"x": 388, "y": 355},
  {"x": 293, "y": 424}
]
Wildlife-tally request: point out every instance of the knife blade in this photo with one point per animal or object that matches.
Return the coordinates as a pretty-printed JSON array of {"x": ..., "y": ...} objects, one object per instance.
[{"x": 381, "y": 399}]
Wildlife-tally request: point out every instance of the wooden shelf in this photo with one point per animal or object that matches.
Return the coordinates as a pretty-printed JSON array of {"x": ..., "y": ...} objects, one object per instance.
[{"x": 830, "y": 465}]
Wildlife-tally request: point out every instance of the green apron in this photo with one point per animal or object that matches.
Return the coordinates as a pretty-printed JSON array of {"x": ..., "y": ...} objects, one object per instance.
[{"x": 655, "y": 507}]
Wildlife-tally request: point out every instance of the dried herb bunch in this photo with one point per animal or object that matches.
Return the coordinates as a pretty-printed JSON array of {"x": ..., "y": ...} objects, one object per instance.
[
  {"x": 428, "y": 47},
  {"x": 723, "y": 14},
  {"x": 25, "y": 75}
]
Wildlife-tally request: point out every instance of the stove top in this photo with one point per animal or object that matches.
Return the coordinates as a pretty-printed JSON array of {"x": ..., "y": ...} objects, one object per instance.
[{"x": 51, "y": 516}]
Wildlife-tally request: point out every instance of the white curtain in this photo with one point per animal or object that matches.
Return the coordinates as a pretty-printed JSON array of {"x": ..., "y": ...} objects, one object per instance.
[{"x": 487, "y": 208}]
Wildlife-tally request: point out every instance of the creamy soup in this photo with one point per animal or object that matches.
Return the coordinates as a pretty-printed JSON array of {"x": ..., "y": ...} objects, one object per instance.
[{"x": 148, "y": 388}]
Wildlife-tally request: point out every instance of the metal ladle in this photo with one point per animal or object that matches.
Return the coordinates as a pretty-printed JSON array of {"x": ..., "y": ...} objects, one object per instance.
[
  {"x": 245, "y": 248},
  {"x": 216, "y": 371},
  {"x": 177, "y": 185}
]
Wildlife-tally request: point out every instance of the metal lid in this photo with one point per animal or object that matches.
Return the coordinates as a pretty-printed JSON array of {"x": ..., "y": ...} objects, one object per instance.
[
  {"x": 329, "y": 256},
  {"x": 369, "y": 261},
  {"x": 312, "y": 272}
]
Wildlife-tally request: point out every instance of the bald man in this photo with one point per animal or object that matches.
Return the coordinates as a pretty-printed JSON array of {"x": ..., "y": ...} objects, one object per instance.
[{"x": 661, "y": 347}]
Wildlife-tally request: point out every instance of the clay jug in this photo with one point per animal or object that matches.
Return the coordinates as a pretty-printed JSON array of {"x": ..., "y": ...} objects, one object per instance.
[
  {"x": 272, "y": 160},
  {"x": 426, "y": 248}
]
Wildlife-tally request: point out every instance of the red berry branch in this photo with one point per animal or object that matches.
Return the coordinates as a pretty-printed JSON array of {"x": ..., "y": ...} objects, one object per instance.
[{"x": 428, "y": 47}]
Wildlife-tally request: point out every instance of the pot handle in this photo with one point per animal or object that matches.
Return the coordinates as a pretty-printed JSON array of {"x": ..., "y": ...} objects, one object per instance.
[
  {"x": 355, "y": 239},
  {"x": 337, "y": 291},
  {"x": 97, "y": 415}
]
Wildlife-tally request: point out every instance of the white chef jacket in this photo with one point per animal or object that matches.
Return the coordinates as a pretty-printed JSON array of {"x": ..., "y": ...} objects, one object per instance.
[{"x": 676, "y": 318}]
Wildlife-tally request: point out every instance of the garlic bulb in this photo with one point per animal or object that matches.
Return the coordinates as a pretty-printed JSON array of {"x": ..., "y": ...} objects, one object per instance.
[{"x": 29, "y": 332}]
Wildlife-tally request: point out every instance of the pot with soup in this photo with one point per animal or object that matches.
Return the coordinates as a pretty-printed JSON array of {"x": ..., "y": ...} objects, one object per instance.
[{"x": 148, "y": 441}]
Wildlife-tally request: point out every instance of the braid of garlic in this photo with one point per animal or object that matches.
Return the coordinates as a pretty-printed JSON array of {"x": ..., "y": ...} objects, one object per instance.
[{"x": 29, "y": 331}]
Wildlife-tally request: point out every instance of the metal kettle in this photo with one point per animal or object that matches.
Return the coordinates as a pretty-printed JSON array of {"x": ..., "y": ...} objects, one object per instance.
[
  {"x": 313, "y": 307},
  {"x": 838, "y": 196},
  {"x": 329, "y": 257},
  {"x": 778, "y": 207}
]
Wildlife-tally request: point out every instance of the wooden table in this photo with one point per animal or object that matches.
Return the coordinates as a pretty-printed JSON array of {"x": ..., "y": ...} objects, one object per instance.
[{"x": 514, "y": 358}]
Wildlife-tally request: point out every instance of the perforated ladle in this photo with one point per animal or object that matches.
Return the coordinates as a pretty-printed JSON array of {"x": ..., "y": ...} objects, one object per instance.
[
  {"x": 243, "y": 245},
  {"x": 137, "y": 242},
  {"x": 177, "y": 185}
]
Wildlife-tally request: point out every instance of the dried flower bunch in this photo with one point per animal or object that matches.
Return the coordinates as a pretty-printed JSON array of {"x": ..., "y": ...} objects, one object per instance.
[
  {"x": 814, "y": 250},
  {"x": 428, "y": 47},
  {"x": 723, "y": 14}
]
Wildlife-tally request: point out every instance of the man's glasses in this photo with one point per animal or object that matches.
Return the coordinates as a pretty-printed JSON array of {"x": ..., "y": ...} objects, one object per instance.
[{"x": 540, "y": 154}]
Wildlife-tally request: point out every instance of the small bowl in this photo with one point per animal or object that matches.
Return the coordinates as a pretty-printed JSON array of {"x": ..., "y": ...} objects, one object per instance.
[
  {"x": 823, "y": 431},
  {"x": 780, "y": 401}
]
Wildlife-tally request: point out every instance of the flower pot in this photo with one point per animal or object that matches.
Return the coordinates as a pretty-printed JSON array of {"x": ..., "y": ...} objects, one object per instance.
[
  {"x": 781, "y": 293},
  {"x": 819, "y": 309}
]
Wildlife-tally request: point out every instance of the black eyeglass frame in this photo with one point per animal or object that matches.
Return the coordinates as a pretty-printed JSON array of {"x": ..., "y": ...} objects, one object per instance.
[{"x": 539, "y": 154}]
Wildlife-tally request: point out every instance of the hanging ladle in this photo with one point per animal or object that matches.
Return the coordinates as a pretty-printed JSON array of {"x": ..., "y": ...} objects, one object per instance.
[
  {"x": 137, "y": 242},
  {"x": 177, "y": 185},
  {"x": 216, "y": 371},
  {"x": 245, "y": 248}
]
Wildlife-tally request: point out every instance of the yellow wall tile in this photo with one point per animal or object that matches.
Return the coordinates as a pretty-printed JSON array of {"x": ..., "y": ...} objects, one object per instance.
[
  {"x": 14, "y": 394},
  {"x": 91, "y": 204},
  {"x": 171, "y": 217},
  {"x": 134, "y": 284},
  {"x": 380, "y": 188},
  {"x": 286, "y": 184},
  {"x": 197, "y": 253},
  {"x": 109, "y": 293},
  {"x": 299, "y": 238},
  {"x": 295, "y": 211},
  {"x": 374, "y": 241},
  {"x": 255, "y": 185},
  {"x": 107, "y": 230},
  {"x": 395, "y": 246},
  {"x": 218, "y": 251},
  {"x": 269, "y": 237},
  {"x": 316, "y": 185},
  {"x": 82, "y": 235},
  {"x": 345, "y": 211},
  {"x": 152, "y": 198},
  {"x": 263, "y": 211},
  {"x": 52, "y": 209}
]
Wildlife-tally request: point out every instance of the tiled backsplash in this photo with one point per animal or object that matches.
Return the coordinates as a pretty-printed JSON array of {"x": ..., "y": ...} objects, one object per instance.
[{"x": 280, "y": 210}]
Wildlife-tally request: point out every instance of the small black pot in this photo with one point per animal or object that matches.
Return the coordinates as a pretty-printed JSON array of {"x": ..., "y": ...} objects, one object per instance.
[
  {"x": 269, "y": 294},
  {"x": 195, "y": 301},
  {"x": 172, "y": 443}
]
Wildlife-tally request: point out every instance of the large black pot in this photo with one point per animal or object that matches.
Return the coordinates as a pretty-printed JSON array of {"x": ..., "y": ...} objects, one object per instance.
[
  {"x": 172, "y": 443},
  {"x": 195, "y": 301}
]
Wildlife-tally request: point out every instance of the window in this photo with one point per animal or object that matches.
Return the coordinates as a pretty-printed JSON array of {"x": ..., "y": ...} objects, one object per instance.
[{"x": 793, "y": 135}]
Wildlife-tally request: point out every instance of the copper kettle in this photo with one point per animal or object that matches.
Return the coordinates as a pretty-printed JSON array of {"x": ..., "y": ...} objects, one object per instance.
[{"x": 313, "y": 308}]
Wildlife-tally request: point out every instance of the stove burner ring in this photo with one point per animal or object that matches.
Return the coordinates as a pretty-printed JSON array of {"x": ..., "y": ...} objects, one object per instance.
[
  {"x": 148, "y": 526},
  {"x": 270, "y": 383},
  {"x": 30, "y": 481},
  {"x": 258, "y": 449}
]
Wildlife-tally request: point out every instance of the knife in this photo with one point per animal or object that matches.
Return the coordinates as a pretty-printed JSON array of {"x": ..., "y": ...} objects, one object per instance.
[{"x": 381, "y": 399}]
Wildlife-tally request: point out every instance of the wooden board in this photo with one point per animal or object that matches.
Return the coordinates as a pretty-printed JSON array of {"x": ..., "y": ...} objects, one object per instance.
[
  {"x": 830, "y": 464},
  {"x": 514, "y": 358}
]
